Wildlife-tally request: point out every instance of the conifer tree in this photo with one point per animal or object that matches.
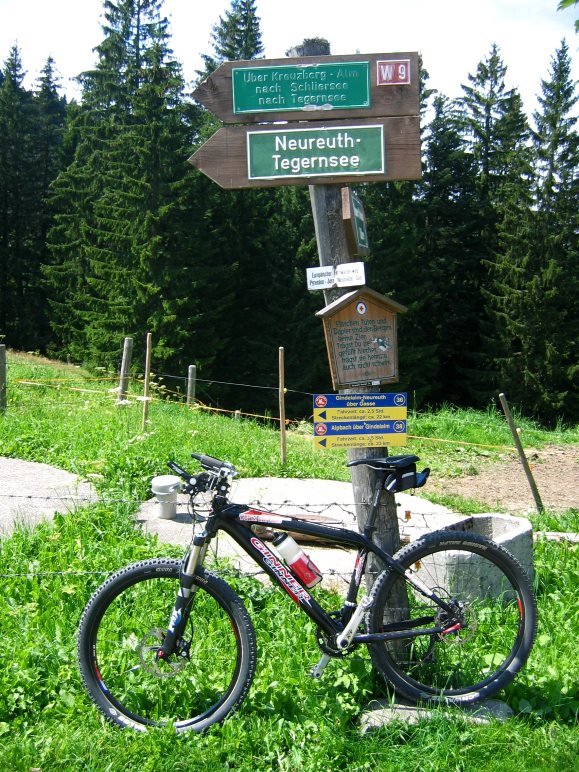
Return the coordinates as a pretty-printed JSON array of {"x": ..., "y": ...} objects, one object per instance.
[
  {"x": 503, "y": 290},
  {"x": 115, "y": 203},
  {"x": 445, "y": 273},
  {"x": 549, "y": 352},
  {"x": 241, "y": 256},
  {"x": 235, "y": 37},
  {"x": 50, "y": 110},
  {"x": 493, "y": 132},
  {"x": 23, "y": 182}
]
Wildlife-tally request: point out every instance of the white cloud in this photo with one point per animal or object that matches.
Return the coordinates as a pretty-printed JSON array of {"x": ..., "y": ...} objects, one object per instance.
[{"x": 453, "y": 36}]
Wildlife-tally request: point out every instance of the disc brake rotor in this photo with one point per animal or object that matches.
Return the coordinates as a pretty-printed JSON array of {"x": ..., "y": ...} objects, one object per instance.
[
  {"x": 148, "y": 648},
  {"x": 466, "y": 631}
]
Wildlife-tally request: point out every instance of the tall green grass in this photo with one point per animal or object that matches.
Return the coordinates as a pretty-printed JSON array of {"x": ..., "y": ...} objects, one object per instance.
[{"x": 288, "y": 722}]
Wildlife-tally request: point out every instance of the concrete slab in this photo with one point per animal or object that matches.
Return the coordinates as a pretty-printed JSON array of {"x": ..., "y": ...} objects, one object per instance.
[
  {"x": 31, "y": 492},
  {"x": 380, "y": 713},
  {"x": 328, "y": 499}
]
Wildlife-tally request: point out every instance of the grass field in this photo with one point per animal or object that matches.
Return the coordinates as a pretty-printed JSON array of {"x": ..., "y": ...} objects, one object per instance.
[{"x": 288, "y": 722}]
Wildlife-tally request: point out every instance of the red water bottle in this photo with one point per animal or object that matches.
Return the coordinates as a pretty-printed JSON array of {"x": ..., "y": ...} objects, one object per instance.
[{"x": 297, "y": 560}]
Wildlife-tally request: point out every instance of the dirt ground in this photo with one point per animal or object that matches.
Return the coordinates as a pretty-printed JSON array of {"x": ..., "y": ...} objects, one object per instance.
[{"x": 503, "y": 484}]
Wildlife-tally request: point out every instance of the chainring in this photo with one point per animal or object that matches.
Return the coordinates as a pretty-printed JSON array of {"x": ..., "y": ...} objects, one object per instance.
[{"x": 327, "y": 646}]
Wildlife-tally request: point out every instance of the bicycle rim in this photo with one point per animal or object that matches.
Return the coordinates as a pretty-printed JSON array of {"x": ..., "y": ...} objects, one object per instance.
[
  {"x": 498, "y": 611},
  {"x": 122, "y": 628}
]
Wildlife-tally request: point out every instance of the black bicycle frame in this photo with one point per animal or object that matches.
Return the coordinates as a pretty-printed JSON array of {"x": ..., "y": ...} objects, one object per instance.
[{"x": 236, "y": 520}]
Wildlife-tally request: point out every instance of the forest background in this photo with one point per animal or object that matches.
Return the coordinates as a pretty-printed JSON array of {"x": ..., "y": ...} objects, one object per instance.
[{"x": 106, "y": 231}]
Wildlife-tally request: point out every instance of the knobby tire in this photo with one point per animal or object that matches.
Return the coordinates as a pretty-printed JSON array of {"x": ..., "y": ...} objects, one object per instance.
[
  {"x": 500, "y": 619},
  {"x": 122, "y": 626}
]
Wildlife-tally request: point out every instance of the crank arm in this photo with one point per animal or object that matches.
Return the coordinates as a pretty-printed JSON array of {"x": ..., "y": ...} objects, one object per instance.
[{"x": 319, "y": 668}]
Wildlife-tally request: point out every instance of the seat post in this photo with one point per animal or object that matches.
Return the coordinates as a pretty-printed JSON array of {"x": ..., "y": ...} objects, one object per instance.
[{"x": 376, "y": 496}]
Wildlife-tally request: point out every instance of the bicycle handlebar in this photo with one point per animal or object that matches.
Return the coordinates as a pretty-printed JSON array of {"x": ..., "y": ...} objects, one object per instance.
[
  {"x": 179, "y": 470},
  {"x": 399, "y": 471},
  {"x": 214, "y": 469},
  {"x": 214, "y": 464}
]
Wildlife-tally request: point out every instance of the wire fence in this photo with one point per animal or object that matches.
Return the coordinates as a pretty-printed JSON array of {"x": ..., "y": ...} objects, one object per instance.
[
  {"x": 88, "y": 387},
  {"x": 224, "y": 551},
  {"x": 165, "y": 395},
  {"x": 169, "y": 396}
]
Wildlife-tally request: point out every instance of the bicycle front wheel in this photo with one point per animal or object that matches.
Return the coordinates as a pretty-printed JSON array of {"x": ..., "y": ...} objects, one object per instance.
[
  {"x": 124, "y": 624},
  {"x": 493, "y": 599}
]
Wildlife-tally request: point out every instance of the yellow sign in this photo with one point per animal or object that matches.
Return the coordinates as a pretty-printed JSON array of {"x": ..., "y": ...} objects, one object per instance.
[
  {"x": 359, "y": 413},
  {"x": 360, "y": 441}
]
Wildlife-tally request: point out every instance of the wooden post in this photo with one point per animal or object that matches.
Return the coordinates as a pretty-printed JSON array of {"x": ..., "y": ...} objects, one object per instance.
[
  {"x": 125, "y": 367},
  {"x": 521, "y": 452},
  {"x": 191, "y": 382},
  {"x": 330, "y": 231},
  {"x": 282, "y": 427},
  {"x": 2, "y": 378},
  {"x": 333, "y": 249},
  {"x": 146, "y": 384}
]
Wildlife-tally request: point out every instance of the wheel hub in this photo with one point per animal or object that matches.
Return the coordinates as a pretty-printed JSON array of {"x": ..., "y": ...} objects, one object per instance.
[
  {"x": 160, "y": 667},
  {"x": 461, "y": 625}
]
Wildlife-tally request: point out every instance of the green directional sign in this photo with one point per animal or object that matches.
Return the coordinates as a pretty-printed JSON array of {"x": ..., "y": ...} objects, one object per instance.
[
  {"x": 312, "y": 152},
  {"x": 320, "y": 86}
]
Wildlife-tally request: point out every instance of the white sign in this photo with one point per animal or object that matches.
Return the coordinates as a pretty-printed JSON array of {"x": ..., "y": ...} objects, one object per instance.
[{"x": 343, "y": 275}]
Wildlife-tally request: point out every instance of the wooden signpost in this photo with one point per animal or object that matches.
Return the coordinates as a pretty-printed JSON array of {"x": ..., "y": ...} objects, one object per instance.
[
  {"x": 312, "y": 88},
  {"x": 310, "y": 153},
  {"x": 360, "y": 420},
  {"x": 361, "y": 338},
  {"x": 324, "y": 121},
  {"x": 355, "y": 222},
  {"x": 346, "y": 119}
]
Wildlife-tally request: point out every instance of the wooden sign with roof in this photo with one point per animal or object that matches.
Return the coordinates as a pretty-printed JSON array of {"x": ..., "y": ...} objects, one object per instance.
[{"x": 361, "y": 338}]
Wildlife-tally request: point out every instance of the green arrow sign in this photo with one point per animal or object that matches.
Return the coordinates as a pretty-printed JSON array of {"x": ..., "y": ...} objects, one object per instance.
[
  {"x": 290, "y": 153},
  {"x": 320, "y": 86}
]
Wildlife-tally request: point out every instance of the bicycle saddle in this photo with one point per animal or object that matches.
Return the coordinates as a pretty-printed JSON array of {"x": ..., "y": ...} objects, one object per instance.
[
  {"x": 399, "y": 472},
  {"x": 388, "y": 463}
]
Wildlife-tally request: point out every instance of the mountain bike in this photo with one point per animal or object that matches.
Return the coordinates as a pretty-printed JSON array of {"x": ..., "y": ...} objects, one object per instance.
[{"x": 451, "y": 617}]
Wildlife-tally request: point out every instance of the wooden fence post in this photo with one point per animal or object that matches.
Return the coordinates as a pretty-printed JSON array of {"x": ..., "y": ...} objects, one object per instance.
[
  {"x": 282, "y": 427},
  {"x": 146, "y": 384},
  {"x": 521, "y": 452},
  {"x": 191, "y": 382},
  {"x": 125, "y": 367},
  {"x": 2, "y": 378}
]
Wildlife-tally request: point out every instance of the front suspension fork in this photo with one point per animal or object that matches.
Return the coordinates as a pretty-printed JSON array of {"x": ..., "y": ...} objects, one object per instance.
[{"x": 182, "y": 607}]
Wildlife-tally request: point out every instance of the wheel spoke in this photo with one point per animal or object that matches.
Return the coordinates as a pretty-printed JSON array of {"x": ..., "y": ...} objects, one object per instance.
[
  {"x": 488, "y": 635},
  {"x": 121, "y": 633}
]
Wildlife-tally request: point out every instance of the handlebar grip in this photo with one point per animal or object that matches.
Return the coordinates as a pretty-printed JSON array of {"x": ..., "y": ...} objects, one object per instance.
[{"x": 208, "y": 462}]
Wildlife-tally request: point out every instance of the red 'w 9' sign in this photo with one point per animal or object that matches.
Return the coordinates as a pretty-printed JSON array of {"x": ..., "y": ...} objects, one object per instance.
[{"x": 393, "y": 72}]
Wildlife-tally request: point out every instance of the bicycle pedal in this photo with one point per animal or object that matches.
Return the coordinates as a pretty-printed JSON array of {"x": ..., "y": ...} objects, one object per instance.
[{"x": 317, "y": 670}]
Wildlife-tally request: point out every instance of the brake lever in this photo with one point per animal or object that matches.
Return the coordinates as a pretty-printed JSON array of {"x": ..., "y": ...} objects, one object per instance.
[{"x": 183, "y": 473}]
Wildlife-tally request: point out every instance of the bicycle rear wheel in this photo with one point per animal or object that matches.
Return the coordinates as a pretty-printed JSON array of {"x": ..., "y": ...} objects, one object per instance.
[
  {"x": 494, "y": 599},
  {"x": 124, "y": 624}
]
